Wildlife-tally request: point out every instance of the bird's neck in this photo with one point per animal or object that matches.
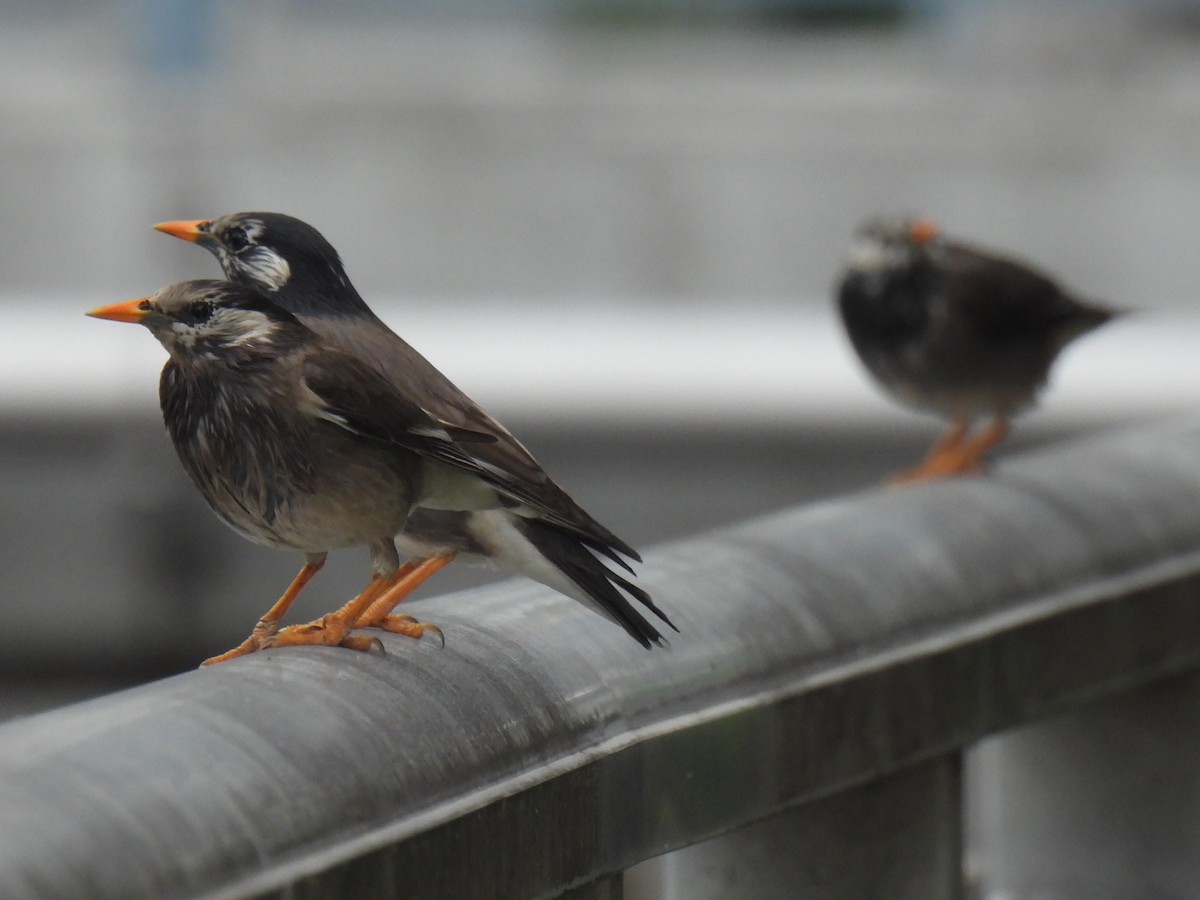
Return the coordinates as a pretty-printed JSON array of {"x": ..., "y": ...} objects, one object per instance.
[{"x": 321, "y": 292}]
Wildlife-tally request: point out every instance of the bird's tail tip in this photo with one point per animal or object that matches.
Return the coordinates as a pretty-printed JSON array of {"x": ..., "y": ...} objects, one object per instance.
[{"x": 607, "y": 591}]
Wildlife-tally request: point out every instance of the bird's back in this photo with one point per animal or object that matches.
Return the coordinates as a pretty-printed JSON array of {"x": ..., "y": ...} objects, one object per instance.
[
  {"x": 416, "y": 378},
  {"x": 1007, "y": 301}
]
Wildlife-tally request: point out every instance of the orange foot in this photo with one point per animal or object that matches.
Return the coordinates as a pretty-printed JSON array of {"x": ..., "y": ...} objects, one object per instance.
[
  {"x": 944, "y": 465},
  {"x": 331, "y": 630},
  {"x": 259, "y": 635},
  {"x": 954, "y": 454},
  {"x": 269, "y": 623},
  {"x": 334, "y": 629},
  {"x": 269, "y": 634},
  {"x": 406, "y": 579},
  {"x": 397, "y": 623}
]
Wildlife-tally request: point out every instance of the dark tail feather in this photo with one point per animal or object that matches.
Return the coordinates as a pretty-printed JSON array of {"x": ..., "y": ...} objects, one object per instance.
[
  {"x": 596, "y": 580},
  {"x": 608, "y": 551},
  {"x": 1080, "y": 318},
  {"x": 1094, "y": 316},
  {"x": 576, "y": 519}
]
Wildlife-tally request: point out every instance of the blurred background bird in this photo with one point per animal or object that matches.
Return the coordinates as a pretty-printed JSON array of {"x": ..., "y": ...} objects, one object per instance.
[{"x": 957, "y": 331}]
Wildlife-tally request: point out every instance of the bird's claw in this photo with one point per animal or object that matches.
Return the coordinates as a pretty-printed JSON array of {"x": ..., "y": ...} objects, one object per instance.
[
  {"x": 413, "y": 629},
  {"x": 328, "y": 631},
  {"x": 399, "y": 623},
  {"x": 260, "y": 636},
  {"x": 363, "y": 643}
]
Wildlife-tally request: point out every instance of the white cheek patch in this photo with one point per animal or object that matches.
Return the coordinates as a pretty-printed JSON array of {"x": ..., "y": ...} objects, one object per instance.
[
  {"x": 870, "y": 255},
  {"x": 228, "y": 261},
  {"x": 264, "y": 266},
  {"x": 212, "y": 340},
  {"x": 238, "y": 327},
  {"x": 183, "y": 335}
]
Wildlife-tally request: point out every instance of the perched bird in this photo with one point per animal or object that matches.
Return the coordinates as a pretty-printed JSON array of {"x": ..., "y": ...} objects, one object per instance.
[
  {"x": 956, "y": 331},
  {"x": 293, "y": 445},
  {"x": 496, "y": 503}
]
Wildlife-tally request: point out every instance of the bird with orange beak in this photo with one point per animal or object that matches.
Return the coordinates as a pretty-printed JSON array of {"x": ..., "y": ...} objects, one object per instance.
[
  {"x": 261, "y": 418},
  {"x": 960, "y": 332},
  {"x": 295, "y": 390}
]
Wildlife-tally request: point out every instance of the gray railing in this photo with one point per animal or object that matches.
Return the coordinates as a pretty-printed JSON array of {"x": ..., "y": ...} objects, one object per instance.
[{"x": 834, "y": 662}]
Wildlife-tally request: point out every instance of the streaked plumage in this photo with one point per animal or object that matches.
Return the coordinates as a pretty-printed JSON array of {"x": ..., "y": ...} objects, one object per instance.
[
  {"x": 522, "y": 520},
  {"x": 954, "y": 330}
]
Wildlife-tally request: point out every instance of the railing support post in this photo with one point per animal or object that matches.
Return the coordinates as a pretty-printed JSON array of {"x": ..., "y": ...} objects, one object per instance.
[
  {"x": 899, "y": 837},
  {"x": 1099, "y": 802}
]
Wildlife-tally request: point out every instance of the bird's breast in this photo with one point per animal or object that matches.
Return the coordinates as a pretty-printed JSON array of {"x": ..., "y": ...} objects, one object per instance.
[{"x": 278, "y": 476}]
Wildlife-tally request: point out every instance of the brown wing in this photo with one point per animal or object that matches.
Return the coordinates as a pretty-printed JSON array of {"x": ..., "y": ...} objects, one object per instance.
[
  {"x": 354, "y": 396},
  {"x": 399, "y": 396},
  {"x": 1007, "y": 300}
]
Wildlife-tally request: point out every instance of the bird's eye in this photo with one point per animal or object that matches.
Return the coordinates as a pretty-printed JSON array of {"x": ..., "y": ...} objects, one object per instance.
[
  {"x": 201, "y": 310},
  {"x": 145, "y": 306},
  {"x": 236, "y": 240}
]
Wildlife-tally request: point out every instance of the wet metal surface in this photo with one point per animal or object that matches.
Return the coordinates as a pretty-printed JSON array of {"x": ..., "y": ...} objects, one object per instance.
[{"x": 821, "y": 646}]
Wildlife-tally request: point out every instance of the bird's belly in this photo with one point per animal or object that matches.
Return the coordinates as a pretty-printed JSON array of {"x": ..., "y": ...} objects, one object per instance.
[
  {"x": 348, "y": 499},
  {"x": 357, "y": 501},
  {"x": 959, "y": 384}
]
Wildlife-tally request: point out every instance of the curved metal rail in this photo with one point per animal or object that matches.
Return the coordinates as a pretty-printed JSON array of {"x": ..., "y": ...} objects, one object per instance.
[{"x": 542, "y": 749}]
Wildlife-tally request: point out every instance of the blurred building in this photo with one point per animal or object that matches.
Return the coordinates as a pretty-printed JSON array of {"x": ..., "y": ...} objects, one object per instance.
[{"x": 670, "y": 151}]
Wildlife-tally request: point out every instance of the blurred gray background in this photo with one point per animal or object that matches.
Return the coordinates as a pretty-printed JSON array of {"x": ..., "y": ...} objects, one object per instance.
[
  {"x": 685, "y": 152},
  {"x": 613, "y": 222}
]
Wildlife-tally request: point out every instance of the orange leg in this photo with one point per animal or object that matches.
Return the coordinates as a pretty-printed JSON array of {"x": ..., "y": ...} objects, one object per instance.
[
  {"x": 333, "y": 629},
  {"x": 378, "y": 615},
  {"x": 974, "y": 449},
  {"x": 956, "y": 454},
  {"x": 931, "y": 466},
  {"x": 951, "y": 438},
  {"x": 269, "y": 623}
]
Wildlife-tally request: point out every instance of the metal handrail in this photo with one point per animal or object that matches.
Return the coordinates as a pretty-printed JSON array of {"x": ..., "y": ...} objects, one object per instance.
[{"x": 541, "y": 749}]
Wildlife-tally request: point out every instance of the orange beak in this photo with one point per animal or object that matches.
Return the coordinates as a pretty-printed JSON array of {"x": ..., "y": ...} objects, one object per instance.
[
  {"x": 188, "y": 231},
  {"x": 921, "y": 231},
  {"x": 126, "y": 311}
]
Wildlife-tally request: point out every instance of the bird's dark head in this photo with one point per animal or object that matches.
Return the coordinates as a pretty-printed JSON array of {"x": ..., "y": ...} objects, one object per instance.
[
  {"x": 210, "y": 321},
  {"x": 269, "y": 251},
  {"x": 882, "y": 245},
  {"x": 890, "y": 279}
]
